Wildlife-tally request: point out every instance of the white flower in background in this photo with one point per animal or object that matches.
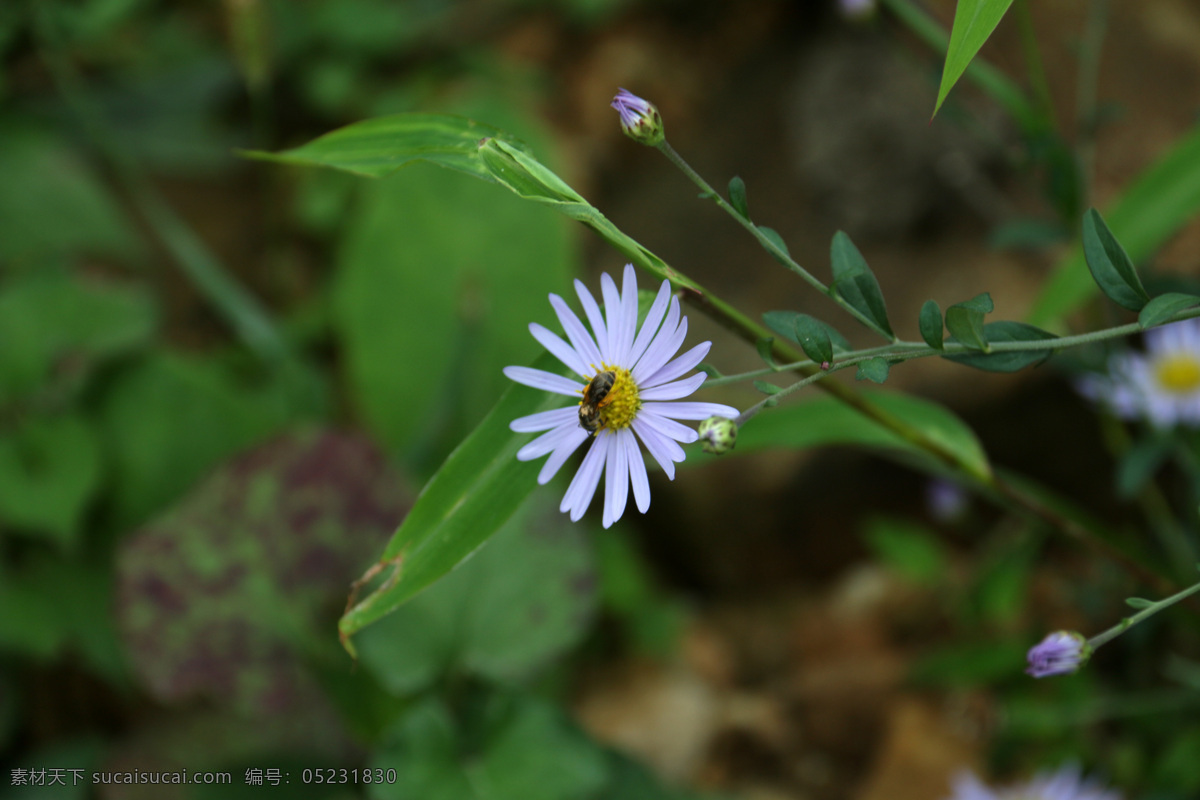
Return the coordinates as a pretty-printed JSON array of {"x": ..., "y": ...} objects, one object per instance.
[
  {"x": 1064, "y": 784},
  {"x": 1161, "y": 385},
  {"x": 629, "y": 383}
]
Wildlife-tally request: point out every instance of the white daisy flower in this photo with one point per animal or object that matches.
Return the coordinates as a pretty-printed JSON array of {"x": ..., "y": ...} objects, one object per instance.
[
  {"x": 1161, "y": 385},
  {"x": 629, "y": 383},
  {"x": 1066, "y": 783}
]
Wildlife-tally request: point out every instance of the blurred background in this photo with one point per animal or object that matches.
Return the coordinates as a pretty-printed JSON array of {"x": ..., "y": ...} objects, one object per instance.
[{"x": 223, "y": 382}]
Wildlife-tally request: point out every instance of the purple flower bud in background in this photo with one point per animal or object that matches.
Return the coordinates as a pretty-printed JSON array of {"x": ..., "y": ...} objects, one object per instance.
[
  {"x": 1060, "y": 653},
  {"x": 639, "y": 119},
  {"x": 946, "y": 500},
  {"x": 856, "y": 9}
]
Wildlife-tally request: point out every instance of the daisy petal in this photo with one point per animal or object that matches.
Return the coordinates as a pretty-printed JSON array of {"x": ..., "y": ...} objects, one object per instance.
[
  {"x": 580, "y": 339},
  {"x": 569, "y": 444},
  {"x": 559, "y": 349},
  {"x": 628, "y": 319},
  {"x": 679, "y": 366},
  {"x": 695, "y": 410},
  {"x": 587, "y": 478},
  {"x": 540, "y": 379},
  {"x": 616, "y": 480},
  {"x": 612, "y": 311},
  {"x": 545, "y": 420},
  {"x": 650, "y": 325},
  {"x": 665, "y": 451},
  {"x": 551, "y": 440},
  {"x": 665, "y": 426},
  {"x": 595, "y": 318},
  {"x": 637, "y": 470},
  {"x": 665, "y": 345},
  {"x": 676, "y": 390}
]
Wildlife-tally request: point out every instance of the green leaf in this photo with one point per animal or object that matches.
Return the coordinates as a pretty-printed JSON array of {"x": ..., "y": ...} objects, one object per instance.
[
  {"x": 378, "y": 147},
  {"x": 813, "y": 336},
  {"x": 478, "y": 487},
  {"x": 873, "y": 369},
  {"x": 965, "y": 321},
  {"x": 1163, "y": 307},
  {"x": 785, "y": 323},
  {"x": 826, "y": 421},
  {"x": 930, "y": 323},
  {"x": 521, "y": 599},
  {"x": 1109, "y": 264},
  {"x": 737, "y": 197},
  {"x": 507, "y": 747},
  {"x": 1148, "y": 213},
  {"x": 775, "y": 239},
  {"x": 170, "y": 418},
  {"x": 854, "y": 282},
  {"x": 49, "y": 469},
  {"x": 1139, "y": 463},
  {"x": 1008, "y": 361},
  {"x": 767, "y": 388},
  {"x": 910, "y": 549},
  {"x": 763, "y": 346},
  {"x": 974, "y": 21},
  {"x": 1138, "y": 602}
]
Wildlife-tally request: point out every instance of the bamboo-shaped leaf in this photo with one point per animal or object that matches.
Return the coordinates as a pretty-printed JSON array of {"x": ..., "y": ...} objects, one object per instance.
[
  {"x": 475, "y": 491},
  {"x": 930, "y": 323},
  {"x": 854, "y": 282},
  {"x": 965, "y": 321},
  {"x": 874, "y": 370},
  {"x": 813, "y": 336},
  {"x": 1109, "y": 264},
  {"x": 1163, "y": 307},
  {"x": 974, "y": 21},
  {"x": 1008, "y": 361}
]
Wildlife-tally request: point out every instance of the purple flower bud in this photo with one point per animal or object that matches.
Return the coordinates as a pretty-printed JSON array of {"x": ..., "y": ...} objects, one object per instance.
[
  {"x": 639, "y": 119},
  {"x": 1060, "y": 653}
]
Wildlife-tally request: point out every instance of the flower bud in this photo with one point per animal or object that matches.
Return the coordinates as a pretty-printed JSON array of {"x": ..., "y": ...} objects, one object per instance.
[
  {"x": 1060, "y": 653},
  {"x": 639, "y": 119},
  {"x": 718, "y": 435}
]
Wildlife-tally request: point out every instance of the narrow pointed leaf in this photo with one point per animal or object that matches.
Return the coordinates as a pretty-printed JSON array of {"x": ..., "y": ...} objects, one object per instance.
[
  {"x": 930, "y": 323},
  {"x": 854, "y": 282},
  {"x": 475, "y": 491},
  {"x": 974, "y": 21},
  {"x": 965, "y": 321},
  {"x": 1008, "y": 361},
  {"x": 1109, "y": 264},
  {"x": 380, "y": 146},
  {"x": 1163, "y": 307},
  {"x": 874, "y": 370}
]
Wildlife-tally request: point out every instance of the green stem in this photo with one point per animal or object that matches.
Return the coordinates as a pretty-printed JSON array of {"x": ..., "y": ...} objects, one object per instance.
[
  {"x": 1033, "y": 62},
  {"x": 777, "y": 252},
  {"x": 1086, "y": 89},
  {"x": 1148, "y": 611}
]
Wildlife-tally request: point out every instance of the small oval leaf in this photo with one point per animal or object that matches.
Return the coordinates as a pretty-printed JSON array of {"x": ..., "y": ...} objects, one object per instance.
[
  {"x": 1012, "y": 360},
  {"x": 930, "y": 323},
  {"x": 965, "y": 321},
  {"x": 737, "y": 196},
  {"x": 854, "y": 282},
  {"x": 1163, "y": 307},
  {"x": 874, "y": 370},
  {"x": 813, "y": 336}
]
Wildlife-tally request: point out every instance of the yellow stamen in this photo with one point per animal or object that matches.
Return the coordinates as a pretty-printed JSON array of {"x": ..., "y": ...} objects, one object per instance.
[
  {"x": 1178, "y": 373},
  {"x": 622, "y": 403}
]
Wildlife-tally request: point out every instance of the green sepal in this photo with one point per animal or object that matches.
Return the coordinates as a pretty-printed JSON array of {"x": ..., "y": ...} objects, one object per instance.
[
  {"x": 1109, "y": 264},
  {"x": 874, "y": 370},
  {"x": 854, "y": 282},
  {"x": 1163, "y": 307},
  {"x": 930, "y": 323},
  {"x": 1007, "y": 361},
  {"x": 737, "y": 196},
  {"x": 965, "y": 321}
]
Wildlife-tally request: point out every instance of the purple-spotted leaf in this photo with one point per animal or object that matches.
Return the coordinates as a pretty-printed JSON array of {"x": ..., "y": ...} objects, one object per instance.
[{"x": 218, "y": 596}]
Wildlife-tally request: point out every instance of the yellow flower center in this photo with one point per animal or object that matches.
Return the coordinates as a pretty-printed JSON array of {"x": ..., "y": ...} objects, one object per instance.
[
  {"x": 1178, "y": 373},
  {"x": 621, "y": 404}
]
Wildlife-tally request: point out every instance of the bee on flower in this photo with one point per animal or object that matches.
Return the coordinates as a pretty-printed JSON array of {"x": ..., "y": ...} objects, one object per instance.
[{"x": 629, "y": 389}]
